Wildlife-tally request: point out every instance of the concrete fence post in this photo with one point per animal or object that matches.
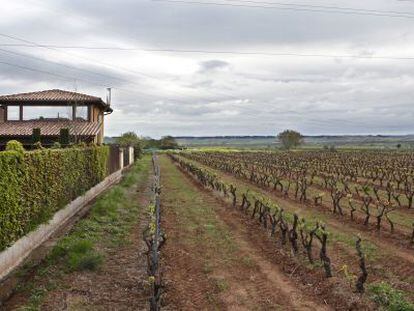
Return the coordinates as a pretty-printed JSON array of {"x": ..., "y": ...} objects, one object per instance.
[
  {"x": 131, "y": 155},
  {"x": 121, "y": 158}
]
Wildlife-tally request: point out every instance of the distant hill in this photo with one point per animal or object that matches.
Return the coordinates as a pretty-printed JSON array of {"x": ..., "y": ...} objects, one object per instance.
[{"x": 319, "y": 141}]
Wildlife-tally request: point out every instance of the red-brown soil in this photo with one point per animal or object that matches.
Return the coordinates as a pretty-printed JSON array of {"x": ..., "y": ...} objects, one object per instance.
[{"x": 269, "y": 279}]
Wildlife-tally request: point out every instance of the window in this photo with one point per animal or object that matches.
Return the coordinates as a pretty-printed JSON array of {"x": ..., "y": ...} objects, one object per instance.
[
  {"x": 13, "y": 113},
  {"x": 40, "y": 113},
  {"x": 82, "y": 113}
]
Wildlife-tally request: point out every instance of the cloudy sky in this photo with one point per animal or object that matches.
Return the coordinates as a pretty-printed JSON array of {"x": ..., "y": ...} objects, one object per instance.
[{"x": 220, "y": 67}]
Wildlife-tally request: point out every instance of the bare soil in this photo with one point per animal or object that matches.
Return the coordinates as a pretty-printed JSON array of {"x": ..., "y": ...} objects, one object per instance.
[{"x": 216, "y": 259}]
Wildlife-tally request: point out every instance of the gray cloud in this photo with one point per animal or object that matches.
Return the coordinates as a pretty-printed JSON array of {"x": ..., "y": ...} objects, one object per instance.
[
  {"x": 159, "y": 93},
  {"x": 212, "y": 65}
]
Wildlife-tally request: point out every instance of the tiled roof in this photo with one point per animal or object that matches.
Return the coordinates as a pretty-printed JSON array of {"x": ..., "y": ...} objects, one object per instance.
[
  {"x": 52, "y": 97},
  {"x": 49, "y": 128},
  {"x": 49, "y": 95}
]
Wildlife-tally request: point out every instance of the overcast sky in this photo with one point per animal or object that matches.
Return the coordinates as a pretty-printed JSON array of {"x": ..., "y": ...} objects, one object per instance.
[{"x": 259, "y": 89}]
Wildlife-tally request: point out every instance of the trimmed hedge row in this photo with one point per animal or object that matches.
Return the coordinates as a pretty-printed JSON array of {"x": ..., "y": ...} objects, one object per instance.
[{"x": 34, "y": 185}]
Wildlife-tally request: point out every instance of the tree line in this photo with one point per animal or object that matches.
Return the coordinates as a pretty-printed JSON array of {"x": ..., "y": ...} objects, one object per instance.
[{"x": 146, "y": 143}]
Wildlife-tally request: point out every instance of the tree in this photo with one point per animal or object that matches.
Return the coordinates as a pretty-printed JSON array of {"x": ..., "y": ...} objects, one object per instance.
[
  {"x": 151, "y": 143},
  {"x": 290, "y": 138},
  {"x": 64, "y": 138},
  {"x": 168, "y": 142},
  {"x": 131, "y": 139},
  {"x": 36, "y": 135}
]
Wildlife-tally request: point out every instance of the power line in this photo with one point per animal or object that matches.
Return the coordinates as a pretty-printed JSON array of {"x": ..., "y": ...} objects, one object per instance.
[
  {"x": 72, "y": 55},
  {"x": 73, "y": 78},
  {"x": 67, "y": 66},
  {"x": 358, "y": 10},
  {"x": 34, "y": 44},
  {"x": 246, "y": 5},
  {"x": 59, "y": 64},
  {"x": 200, "y": 51},
  {"x": 68, "y": 78},
  {"x": 62, "y": 76}
]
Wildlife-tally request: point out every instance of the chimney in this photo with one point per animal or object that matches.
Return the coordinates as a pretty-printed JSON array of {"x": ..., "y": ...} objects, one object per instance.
[{"x": 108, "y": 96}]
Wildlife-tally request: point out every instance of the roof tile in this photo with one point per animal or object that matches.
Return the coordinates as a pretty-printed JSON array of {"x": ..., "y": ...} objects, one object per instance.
[
  {"x": 52, "y": 97},
  {"x": 49, "y": 95},
  {"x": 49, "y": 128}
]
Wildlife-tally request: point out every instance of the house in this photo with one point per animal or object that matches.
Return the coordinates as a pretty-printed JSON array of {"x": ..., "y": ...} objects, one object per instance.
[{"x": 50, "y": 112}]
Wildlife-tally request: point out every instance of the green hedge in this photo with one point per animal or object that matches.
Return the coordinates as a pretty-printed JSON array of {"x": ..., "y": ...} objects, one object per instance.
[{"x": 34, "y": 185}]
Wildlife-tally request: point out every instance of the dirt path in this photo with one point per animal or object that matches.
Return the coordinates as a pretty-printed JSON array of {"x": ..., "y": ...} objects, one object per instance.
[
  {"x": 119, "y": 283},
  {"x": 209, "y": 260}
]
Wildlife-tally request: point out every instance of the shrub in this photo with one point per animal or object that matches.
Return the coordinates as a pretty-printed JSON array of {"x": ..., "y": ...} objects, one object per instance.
[
  {"x": 390, "y": 298},
  {"x": 34, "y": 185},
  {"x": 37, "y": 145},
  {"x": 14, "y": 145},
  {"x": 56, "y": 145},
  {"x": 81, "y": 144}
]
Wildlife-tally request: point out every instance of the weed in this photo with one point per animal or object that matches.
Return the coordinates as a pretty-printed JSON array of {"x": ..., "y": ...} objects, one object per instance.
[
  {"x": 87, "y": 261},
  {"x": 247, "y": 261},
  {"x": 207, "y": 268},
  {"x": 222, "y": 285},
  {"x": 389, "y": 298},
  {"x": 35, "y": 299}
]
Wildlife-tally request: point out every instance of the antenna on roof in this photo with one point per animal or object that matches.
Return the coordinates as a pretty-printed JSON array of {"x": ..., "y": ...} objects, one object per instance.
[{"x": 108, "y": 96}]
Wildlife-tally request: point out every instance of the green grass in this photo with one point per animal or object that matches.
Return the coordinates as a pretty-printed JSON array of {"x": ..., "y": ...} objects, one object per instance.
[
  {"x": 106, "y": 226},
  {"x": 78, "y": 254},
  {"x": 87, "y": 261},
  {"x": 389, "y": 298},
  {"x": 370, "y": 250}
]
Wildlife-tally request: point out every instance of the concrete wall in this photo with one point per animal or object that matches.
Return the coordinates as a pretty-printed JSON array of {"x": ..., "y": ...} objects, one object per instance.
[{"x": 13, "y": 256}]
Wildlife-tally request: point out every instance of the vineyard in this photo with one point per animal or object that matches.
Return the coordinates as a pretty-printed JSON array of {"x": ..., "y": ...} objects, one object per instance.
[
  {"x": 233, "y": 230},
  {"x": 345, "y": 220}
]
